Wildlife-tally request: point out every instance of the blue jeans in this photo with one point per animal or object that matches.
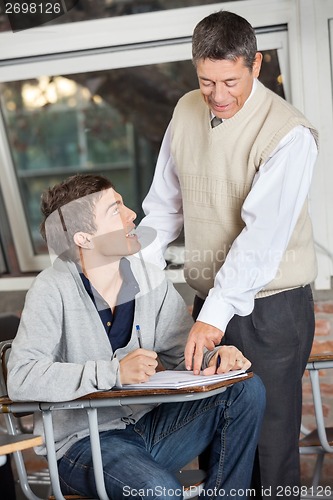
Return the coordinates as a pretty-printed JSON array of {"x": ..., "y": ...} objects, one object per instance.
[{"x": 141, "y": 460}]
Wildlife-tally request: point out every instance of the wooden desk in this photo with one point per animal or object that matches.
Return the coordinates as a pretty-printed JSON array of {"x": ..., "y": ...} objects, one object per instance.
[
  {"x": 321, "y": 357},
  {"x": 118, "y": 397},
  {"x": 190, "y": 391},
  {"x": 9, "y": 444}
]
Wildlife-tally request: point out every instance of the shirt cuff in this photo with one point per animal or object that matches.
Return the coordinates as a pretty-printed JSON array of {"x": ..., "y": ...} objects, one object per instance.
[
  {"x": 106, "y": 374},
  {"x": 215, "y": 312}
]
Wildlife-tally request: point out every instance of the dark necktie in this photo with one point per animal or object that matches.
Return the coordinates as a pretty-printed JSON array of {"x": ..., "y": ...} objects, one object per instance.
[{"x": 215, "y": 121}]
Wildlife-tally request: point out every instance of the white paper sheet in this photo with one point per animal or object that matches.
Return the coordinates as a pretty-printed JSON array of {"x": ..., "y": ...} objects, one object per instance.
[{"x": 173, "y": 379}]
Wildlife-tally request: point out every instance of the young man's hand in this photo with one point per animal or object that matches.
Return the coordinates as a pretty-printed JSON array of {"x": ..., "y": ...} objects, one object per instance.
[
  {"x": 225, "y": 359},
  {"x": 201, "y": 335},
  {"x": 137, "y": 366}
]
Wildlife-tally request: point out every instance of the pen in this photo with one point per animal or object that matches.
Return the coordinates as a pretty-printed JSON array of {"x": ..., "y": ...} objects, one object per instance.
[
  {"x": 138, "y": 333},
  {"x": 218, "y": 362}
]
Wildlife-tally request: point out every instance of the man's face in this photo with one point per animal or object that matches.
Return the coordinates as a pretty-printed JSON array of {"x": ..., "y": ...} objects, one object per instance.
[
  {"x": 115, "y": 227},
  {"x": 225, "y": 85}
]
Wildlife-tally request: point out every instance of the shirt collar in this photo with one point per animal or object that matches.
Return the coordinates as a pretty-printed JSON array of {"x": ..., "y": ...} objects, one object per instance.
[{"x": 127, "y": 292}]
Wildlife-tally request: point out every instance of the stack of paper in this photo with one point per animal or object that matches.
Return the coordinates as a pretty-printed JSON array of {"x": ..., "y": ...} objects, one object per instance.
[{"x": 173, "y": 379}]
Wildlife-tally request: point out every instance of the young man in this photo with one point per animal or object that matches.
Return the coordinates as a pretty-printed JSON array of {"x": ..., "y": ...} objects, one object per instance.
[
  {"x": 235, "y": 168},
  {"x": 77, "y": 336}
]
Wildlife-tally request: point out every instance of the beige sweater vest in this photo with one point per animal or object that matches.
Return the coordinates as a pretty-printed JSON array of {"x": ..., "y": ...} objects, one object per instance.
[{"x": 216, "y": 168}]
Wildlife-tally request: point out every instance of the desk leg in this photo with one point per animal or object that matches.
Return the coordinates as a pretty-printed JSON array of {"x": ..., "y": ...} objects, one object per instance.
[
  {"x": 51, "y": 454},
  {"x": 314, "y": 377},
  {"x": 96, "y": 453}
]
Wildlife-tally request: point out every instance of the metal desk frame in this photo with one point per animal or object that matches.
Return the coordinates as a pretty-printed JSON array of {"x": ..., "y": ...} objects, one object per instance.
[{"x": 318, "y": 362}]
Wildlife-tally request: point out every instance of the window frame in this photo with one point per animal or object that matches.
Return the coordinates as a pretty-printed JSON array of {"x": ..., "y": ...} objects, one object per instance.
[{"x": 128, "y": 30}]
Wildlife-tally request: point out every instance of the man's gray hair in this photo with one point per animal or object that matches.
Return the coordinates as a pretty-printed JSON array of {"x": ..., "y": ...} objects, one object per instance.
[{"x": 224, "y": 35}]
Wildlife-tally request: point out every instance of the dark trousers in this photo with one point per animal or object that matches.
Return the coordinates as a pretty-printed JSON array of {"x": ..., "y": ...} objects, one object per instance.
[{"x": 277, "y": 339}]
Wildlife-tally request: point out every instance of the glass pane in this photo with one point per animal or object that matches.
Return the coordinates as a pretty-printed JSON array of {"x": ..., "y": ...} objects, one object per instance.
[
  {"x": 85, "y": 10},
  {"x": 270, "y": 73},
  {"x": 110, "y": 122}
]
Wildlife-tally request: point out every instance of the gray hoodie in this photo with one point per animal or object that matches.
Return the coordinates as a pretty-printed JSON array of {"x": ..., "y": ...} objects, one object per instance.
[{"x": 61, "y": 351}]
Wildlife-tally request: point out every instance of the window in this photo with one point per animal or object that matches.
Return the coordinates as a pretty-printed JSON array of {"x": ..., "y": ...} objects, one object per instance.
[{"x": 99, "y": 110}]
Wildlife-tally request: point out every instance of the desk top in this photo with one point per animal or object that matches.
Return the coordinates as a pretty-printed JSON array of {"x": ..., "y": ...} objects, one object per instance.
[
  {"x": 9, "y": 444},
  {"x": 117, "y": 393},
  {"x": 6, "y": 404},
  {"x": 328, "y": 356}
]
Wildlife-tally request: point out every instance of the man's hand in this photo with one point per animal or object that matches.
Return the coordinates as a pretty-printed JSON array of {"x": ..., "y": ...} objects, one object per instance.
[
  {"x": 231, "y": 358},
  {"x": 137, "y": 366},
  {"x": 201, "y": 335}
]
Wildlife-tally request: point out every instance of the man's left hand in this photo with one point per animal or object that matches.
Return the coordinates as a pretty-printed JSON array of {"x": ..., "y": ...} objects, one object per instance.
[
  {"x": 227, "y": 358},
  {"x": 201, "y": 335}
]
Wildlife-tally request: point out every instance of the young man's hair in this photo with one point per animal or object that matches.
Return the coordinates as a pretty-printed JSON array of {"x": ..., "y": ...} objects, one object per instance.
[
  {"x": 67, "y": 208},
  {"x": 224, "y": 35}
]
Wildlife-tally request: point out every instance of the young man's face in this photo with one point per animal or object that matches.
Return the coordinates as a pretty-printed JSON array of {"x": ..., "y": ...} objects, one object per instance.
[
  {"x": 115, "y": 226},
  {"x": 226, "y": 85}
]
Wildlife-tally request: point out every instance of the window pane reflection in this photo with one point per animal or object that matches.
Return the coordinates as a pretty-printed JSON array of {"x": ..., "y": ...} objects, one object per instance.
[{"x": 110, "y": 122}]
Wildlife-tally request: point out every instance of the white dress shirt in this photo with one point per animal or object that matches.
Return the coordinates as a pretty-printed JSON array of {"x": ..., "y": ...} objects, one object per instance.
[{"x": 277, "y": 195}]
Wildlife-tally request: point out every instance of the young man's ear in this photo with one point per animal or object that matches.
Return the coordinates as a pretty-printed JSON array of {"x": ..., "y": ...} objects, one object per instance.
[{"x": 83, "y": 240}]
